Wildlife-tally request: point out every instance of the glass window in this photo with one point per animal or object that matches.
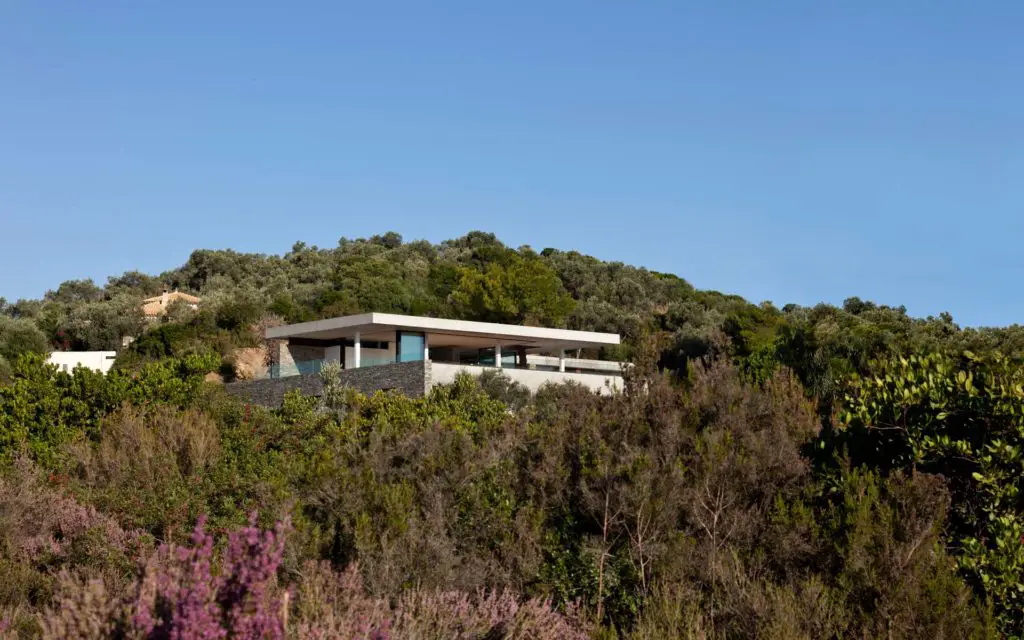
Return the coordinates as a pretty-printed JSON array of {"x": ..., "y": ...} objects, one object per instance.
[
  {"x": 410, "y": 346},
  {"x": 486, "y": 358}
]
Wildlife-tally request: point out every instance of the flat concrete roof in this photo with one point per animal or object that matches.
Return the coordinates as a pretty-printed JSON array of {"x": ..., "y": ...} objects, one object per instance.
[{"x": 373, "y": 325}]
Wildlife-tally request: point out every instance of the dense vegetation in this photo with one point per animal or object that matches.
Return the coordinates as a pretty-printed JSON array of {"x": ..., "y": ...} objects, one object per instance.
[{"x": 797, "y": 472}]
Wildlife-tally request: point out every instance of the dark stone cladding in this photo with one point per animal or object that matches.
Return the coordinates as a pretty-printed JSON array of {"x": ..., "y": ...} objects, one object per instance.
[{"x": 409, "y": 378}]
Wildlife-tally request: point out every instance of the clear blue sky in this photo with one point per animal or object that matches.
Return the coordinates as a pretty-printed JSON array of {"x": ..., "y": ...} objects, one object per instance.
[{"x": 785, "y": 151}]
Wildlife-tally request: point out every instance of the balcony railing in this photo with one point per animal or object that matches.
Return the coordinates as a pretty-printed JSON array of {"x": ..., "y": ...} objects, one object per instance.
[
  {"x": 306, "y": 367},
  {"x": 298, "y": 368}
]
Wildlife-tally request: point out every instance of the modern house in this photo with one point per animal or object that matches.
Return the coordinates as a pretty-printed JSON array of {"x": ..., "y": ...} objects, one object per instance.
[
  {"x": 101, "y": 361},
  {"x": 155, "y": 307},
  {"x": 380, "y": 351}
]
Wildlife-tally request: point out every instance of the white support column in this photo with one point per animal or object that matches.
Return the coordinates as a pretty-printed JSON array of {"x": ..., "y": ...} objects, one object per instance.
[
  {"x": 497, "y": 355},
  {"x": 561, "y": 361},
  {"x": 426, "y": 347},
  {"x": 355, "y": 350}
]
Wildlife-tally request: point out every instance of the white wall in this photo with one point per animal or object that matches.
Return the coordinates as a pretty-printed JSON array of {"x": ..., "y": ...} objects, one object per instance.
[
  {"x": 332, "y": 354},
  {"x": 444, "y": 373},
  {"x": 100, "y": 361}
]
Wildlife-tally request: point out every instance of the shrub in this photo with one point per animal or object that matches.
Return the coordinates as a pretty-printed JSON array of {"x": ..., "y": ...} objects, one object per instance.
[
  {"x": 500, "y": 387},
  {"x": 180, "y": 595},
  {"x": 42, "y": 409},
  {"x": 149, "y": 465},
  {"x": 960, "y": 418},
  {"x": 332, "y": 605},
  {"x": 40, "y": 524},
  {"x": 235, "y": 315},
  {"x": 19, "y": 336},
  {"x": 43, "y": 532},
  {"x": 670, "y": 509},
  {"x": 868, "y": 564}
]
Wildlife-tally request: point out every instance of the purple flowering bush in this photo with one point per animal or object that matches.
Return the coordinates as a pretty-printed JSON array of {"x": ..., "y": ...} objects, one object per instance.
[
  {"x": 190, "y": 592},
  {"x": 44, "y": 532},
  {"x": 42, "y": 524},
  {"x": 181, "y": 594}
]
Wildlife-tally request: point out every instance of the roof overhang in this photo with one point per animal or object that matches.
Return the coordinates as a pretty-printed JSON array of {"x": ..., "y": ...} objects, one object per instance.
[{"x": 383, "y": 325}]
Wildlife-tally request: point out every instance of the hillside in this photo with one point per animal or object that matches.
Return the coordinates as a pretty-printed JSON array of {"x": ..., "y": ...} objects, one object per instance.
[
  {"x": 477, "y": 277},
  {"x": 767, "y": 472}
]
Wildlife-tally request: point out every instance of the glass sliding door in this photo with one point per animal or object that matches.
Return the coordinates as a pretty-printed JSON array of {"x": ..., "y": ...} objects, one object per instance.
[{"x": 410, "y": 346}]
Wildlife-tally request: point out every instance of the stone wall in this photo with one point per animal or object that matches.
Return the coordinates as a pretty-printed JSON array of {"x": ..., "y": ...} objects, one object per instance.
[{"x": 409, "y": 378}]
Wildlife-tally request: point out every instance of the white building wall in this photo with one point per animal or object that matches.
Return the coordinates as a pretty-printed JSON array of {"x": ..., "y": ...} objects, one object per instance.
[
  {"x": 444, "y": 373},
  {"x": 101, "y": 361},
  {"x": 332, "y": 354}
]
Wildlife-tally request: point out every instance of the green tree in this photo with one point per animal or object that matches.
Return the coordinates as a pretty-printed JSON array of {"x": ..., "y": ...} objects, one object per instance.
[
  {"x": 41, "y": 409},
  {"x": 525, "y": 292},
  {"x": 18, "y": 337},
  {"x": 962, "y": 418},
  {"x": 76, "y": 291},
  {"x": 100, "y": 326}
]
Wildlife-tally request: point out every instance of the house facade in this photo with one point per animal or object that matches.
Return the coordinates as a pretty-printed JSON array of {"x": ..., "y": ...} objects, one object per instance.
[
  {"x": 67, "y": 361},
  {"x": 380, "y": 351}
]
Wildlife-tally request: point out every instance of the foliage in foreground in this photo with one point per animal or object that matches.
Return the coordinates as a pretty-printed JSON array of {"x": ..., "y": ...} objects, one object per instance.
[
  {"x": 714, "y": 506},
  {"x": 180, "y": 594},
  {"x": 964, "y": 420}
]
